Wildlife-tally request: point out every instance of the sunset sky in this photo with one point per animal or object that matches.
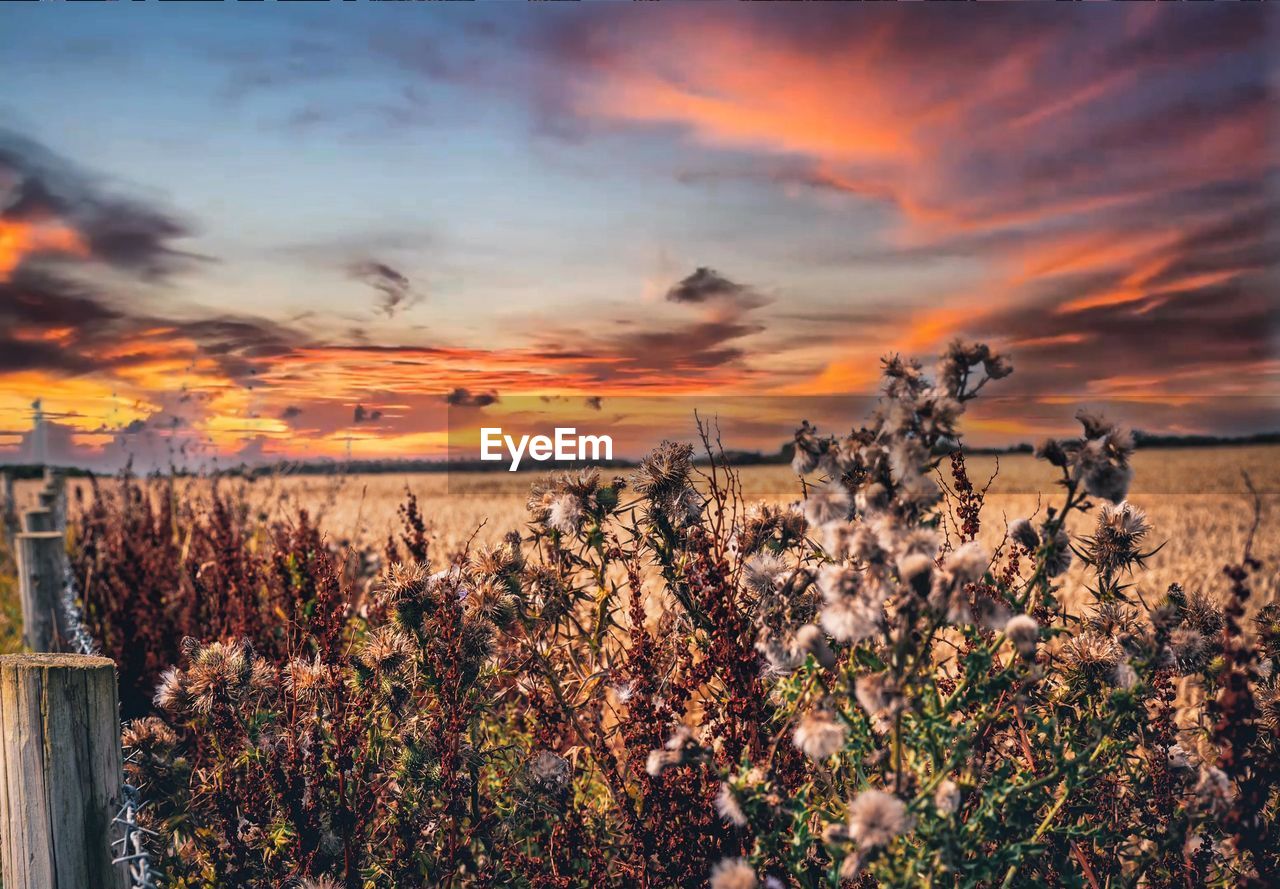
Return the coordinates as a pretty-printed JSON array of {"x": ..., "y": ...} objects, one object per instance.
[{"x": 259, "y": 230}]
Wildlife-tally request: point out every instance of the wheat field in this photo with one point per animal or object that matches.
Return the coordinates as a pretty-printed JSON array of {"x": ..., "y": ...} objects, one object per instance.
[{"x": 1196, "y": 498}]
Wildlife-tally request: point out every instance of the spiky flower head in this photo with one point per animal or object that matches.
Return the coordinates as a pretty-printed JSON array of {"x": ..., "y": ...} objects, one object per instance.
[
  {"x": 866, "y": 546},
  {"x": 502, "y": 559},
  {"x": 838, "y": 580},
  {"x": 770, "y": 523},
  {"x": 871, "y": 497},
  {"x": 1188, "y": 649},
  {"x": 307, "y": 680},
  {"x": 1203, "y": 614},
  {"x": 1267, "y": 698},
  {"x": 495, "y": 599},
  {"x": 764, "y": 573},
  {"x": 1058, "y": 556},
  {"x": 956, "y": 369},
  {"x": 1108, "y": 480},
  {"x": 1117, "y": 539},
  {"x": 808, "y": 450},
  {"x": 1024, "y": 533},
  {"x": 320, "y": 882},
  {"x": 385, "y": 650},
  {"x": 1095, "y": 425},
  {"x": 170, "y": 694},
  {"x": 1051, "y": 451},
  {"x": 915, "y": 570},
  {"x": 148, "y": 737},
  {"x": 221, "y": 676},
  {"x": 549, "y": 771},
  {"x": 663, "y": 474},
  {"x": 1090, "y": 660},
  {"x": 1117, "y": 620},
  {"x": 1101, "y": 461},
  {"x": 827, "y": 502},
  {"x": 404, "y": 580},
  {"x": 1267, "y": 625},
  {"x": 565, "y": 514}
]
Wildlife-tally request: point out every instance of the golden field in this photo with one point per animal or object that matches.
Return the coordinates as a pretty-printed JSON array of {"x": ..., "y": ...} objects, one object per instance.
[{"x": 1195, "y": 497}]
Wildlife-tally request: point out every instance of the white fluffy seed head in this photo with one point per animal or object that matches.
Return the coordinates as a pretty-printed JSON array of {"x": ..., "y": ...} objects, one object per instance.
[
  {"x": 876, "y": 818},
  {"x": 946, "y": 798},
  {"x": 733, "y": 873},
  {"x": 820, "y": 734},
  {"x": 1024, "y": 633}
]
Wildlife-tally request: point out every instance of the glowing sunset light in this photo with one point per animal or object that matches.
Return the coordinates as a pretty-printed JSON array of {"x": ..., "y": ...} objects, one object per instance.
[
  {"x": 661, "y": 204},
  {"x": 20, "y": 239}
]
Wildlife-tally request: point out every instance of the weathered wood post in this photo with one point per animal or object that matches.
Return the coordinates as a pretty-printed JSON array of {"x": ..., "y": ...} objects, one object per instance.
[
  {"x": 42, "y": 557},
  {"x": 8, "y": 510},
  {"x": 37, "y": 520},
  {"x": 55, "y": 489},
  {"x": 60, "y": 772}
]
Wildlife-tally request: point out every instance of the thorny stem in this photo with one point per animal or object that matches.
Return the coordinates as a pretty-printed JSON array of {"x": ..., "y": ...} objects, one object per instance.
[{"x": 1063, "y": 794}]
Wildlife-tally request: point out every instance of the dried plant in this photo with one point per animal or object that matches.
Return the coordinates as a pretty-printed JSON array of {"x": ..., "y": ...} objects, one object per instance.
[{"x": 660, "y": 685}]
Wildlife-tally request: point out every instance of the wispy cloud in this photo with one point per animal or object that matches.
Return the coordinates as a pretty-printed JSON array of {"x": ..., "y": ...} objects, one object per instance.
[
  {"x": 394, "y": 288},
  {"x": 1110, "y": 181},
  {"x": 837, "y": 183}
]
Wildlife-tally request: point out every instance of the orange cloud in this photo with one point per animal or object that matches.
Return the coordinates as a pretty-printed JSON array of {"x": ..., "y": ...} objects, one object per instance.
[{"x": 22, "y": 238}]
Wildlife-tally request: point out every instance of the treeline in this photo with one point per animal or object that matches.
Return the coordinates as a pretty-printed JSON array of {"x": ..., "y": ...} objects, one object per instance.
[{"x": 737, "y": 458}]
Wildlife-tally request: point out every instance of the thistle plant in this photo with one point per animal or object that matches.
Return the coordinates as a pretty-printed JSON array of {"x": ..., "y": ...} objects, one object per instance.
[{"x": 657, "y": 684}]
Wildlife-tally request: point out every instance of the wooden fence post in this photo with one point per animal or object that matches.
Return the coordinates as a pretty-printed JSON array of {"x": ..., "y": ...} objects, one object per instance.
[
  {"x": 60, "y": 772},
  {"x": 42, "y": 558},
  {"x": 55, "y": 481},
  {"x": 38, "y": 520},
  {"x": 8, "y": 510}
]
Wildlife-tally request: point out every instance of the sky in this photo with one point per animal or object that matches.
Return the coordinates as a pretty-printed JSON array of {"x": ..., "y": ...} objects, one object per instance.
[{"x": 258, "y": 231}]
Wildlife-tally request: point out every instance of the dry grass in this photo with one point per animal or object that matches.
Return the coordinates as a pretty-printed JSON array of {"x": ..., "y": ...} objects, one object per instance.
[{"x": 1196, "y": 499}]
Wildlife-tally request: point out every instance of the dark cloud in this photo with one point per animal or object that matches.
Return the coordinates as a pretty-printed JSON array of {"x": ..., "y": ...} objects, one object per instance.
[
  {"x": 361, "y": 415},
  {"x": 1220, "y": 334},
  {"x": 703, "y": 285},
  {"x": 290, "y": 412},
  {"x": 123, "y": 232},
  {"x": 20, "y": 355},
  {"x": 461, "y": 397},
  {"x": 393, "y": 286},
  {"x": 658, "y": 357},
  {"x": 49, "y": 322}
]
